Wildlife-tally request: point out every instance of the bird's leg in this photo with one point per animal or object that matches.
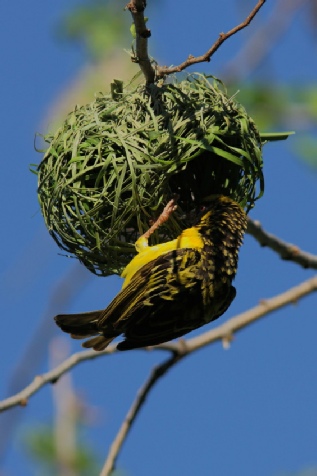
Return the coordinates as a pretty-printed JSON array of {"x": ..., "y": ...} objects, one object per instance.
[
  {"x": 164, "y": 216},
  {"x": 143, "y": 241}
]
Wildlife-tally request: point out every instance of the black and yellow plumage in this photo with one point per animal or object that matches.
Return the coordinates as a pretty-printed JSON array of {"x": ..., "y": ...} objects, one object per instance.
[{"x": 170, "y": 288}]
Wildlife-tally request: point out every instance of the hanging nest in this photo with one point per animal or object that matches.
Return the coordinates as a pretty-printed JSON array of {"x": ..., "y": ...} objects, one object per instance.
[{"x": 114, "y": 163}]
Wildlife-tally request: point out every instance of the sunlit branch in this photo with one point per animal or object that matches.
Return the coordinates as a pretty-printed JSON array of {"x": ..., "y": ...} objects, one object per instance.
[
  {"x": 182, "y": 347},
  {"x": 287, "y": 251},
  {"x": 263, "y": 40},
  {"x": 21, "y": 398},
  {"x": 142, "y": 33},
  {"x": 164, "y": 70},
  {"x": 155, "y": 375}
]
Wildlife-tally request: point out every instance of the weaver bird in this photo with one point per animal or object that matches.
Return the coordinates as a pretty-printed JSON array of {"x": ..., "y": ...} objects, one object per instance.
[{"x": 170, "y": 288}]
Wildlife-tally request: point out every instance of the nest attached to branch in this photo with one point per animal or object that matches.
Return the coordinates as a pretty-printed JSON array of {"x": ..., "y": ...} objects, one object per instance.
[{"x": 114, "y": 163}]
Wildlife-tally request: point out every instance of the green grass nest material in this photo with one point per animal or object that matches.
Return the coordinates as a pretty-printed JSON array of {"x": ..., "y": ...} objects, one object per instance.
[{"x": 114, "y": 163}]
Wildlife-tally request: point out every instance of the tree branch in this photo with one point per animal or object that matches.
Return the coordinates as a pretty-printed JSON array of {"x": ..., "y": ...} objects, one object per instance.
[
  {"x": 155, "y": 375},
  {"x": 287, "y": 251},
  {"x": 180, "y": 348},
  {"x": 164, "y": 70},
  {"x": 225, "y": 331},
  {"x": 35, "y": 351},
  {"x": 263, "y": 40},
  {"x": 137, "y": 8},
  {"x": 21, "y": 398}
]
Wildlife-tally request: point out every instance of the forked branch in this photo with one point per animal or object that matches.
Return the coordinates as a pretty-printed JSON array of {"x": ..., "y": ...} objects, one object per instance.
[{"x": 142, "y": 33}]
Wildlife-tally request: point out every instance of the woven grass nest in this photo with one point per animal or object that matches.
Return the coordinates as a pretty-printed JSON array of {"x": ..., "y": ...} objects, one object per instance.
[{"x": 114, "y": 163}]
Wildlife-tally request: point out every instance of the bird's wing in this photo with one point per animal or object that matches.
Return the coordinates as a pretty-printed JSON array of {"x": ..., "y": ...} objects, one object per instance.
[
  {"x": 156, "y": 293},
  {"x": 158, "y": 281},
  {"x": 152, "y": 325}
]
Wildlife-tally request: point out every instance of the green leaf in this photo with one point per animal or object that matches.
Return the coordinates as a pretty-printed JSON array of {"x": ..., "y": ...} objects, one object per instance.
[
  {"x": 132, "y": 28},
  {"x": 33, "y": 169},
  {"x": 273, "y": 136}
]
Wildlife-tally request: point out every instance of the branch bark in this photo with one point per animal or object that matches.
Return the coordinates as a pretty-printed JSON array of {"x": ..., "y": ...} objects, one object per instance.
[
  {"x": 180, "y": 348},
  {"x": 137, "y": 8},
  {"x": 262, "y": 41},
  {"x": 21, "y": 398},
  {"x": 287, "y": 251},
  {"x": 164, "y": 70},
  {"x": 122, "y": 434}
]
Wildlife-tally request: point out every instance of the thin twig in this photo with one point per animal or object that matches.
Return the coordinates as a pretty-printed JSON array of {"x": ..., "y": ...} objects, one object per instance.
[
  {"x": 122, "y": 434},
  {"x": 164, "y": 70},
  {"x": 21, "y": 398},
  {"x": 137, "y": 8},
  {"x": 181, "y": 347},
  {"x": 34, "y": 353},
  {"x": 287, "y": 251},
  {"x": 263, "y": 40}
]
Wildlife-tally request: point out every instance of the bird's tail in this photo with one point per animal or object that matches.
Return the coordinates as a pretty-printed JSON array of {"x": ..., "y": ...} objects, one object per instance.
[{"x": 84, "y": 325}]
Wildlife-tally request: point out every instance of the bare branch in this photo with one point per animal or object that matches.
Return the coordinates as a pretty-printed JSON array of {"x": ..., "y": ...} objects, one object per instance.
[
  {"x": 29, "y": 361},
  {"x": 21, "y": 398},
  {"x": 164, "y": 70},
  {"x": 155, "y": 375},
  {"x": 263, "y": 40},
  {"x": 180, "y": 348},
  {"x": 266, "y": 306},
  {"x": 137, "y": 8},
  {"x": 287, "y": 251}
]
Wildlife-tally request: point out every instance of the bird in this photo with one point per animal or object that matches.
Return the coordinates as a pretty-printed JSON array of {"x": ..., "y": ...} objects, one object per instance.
[{"x": 171, "y": 288}]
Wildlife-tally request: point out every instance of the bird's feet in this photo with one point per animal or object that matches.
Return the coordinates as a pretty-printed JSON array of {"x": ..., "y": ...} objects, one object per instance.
[{"x": 142, "y": 242}]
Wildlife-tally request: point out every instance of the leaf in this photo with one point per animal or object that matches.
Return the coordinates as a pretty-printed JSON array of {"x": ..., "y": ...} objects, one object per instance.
[{"x": 274, "y": 136}]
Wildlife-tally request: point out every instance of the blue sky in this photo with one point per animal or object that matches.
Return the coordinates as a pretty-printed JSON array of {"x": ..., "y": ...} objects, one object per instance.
[{"x": 249, "y": 410}]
